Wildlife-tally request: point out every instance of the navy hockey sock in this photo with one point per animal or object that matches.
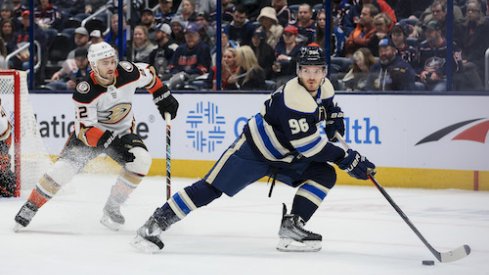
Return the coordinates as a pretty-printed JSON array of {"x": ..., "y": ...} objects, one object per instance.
[{"x": 308, "y": 198}]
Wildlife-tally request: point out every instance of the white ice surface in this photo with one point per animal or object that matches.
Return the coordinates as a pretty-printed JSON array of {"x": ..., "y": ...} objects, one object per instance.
[{"x": 362, "y": 234}]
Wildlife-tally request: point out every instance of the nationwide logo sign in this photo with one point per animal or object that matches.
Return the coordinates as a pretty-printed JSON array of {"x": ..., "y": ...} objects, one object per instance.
[
  {"x": 206, "y": 127},
  {"x": 475, "y": 133}
]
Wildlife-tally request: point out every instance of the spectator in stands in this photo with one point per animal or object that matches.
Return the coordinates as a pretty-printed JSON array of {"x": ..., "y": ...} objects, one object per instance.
[
  {"x": 69, "y": 8},
  {"x": 364, "y": 31},
  {"x": 18, "y": 8},
  {"x": 163, "y": 54},
  {"x": 207, "y": 31},
  {"x": 407, "y": 50},
  {"x": 48, "y": 18},
  {"x": 305, "y": 23},
  {"x": 354, "y": 15},
  {"x": 228, "y": 9},
  {"x": 356, "y": 78},
  {"x": 240, "y": 29},
  {"x": 382, "y": 25},
  {"x": 284, "y": 15},
  {"x": 3, "y": 55},
  {"x": 251, "y": 76},
  {"x": 269, "y": 24},
  {"x": 438, "y": 12},
  {"x": 472, "y": 36},
  {"x": 177, "y": 29},
  {"x": 337, "y": 35},
  {"x": 193, "y": 58},
  {"x": 95, "y": 37},
  {"x": 164, "y": 13},
  {"x": 407, "y": 8},
  {"x": 92, "y": 6},
  {"x": 7, "y": 33},
  {"x": 229, "y": 67},
  {"x": 187, "y": 13},
  {"x": 286, "y": 54},
  {"x": 21, "y": 61},
  {"x": 112, "y": 37},
  {"x": 81, "y": 39},
  {"x": 391, "y": 73},
  {"x": 7, "y": 13},
  {"x": 148, "y": 20},
  {"x": 200, "y": 6},
  {"x": 68, "y": 81},
  {"x": 263, "y": 52},
  {"x": 142, "y": 46}
]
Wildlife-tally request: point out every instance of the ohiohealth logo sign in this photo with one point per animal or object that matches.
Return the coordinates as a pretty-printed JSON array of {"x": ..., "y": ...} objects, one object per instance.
[{"x": 205, "y": 127}]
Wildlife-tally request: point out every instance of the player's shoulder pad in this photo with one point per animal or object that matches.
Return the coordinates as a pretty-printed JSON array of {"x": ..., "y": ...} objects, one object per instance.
[
  {"x": 86, "y": 91},
  {"x": 327, "y": 89},
  {"x": 128, "y": 72},
  {"x": 297, "y": 98}
]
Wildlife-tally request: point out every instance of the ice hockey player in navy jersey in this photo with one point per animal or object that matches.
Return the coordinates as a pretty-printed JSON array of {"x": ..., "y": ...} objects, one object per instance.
[
  {"x": 104, "y": 123},
  {"x": 283, "y": 141}
]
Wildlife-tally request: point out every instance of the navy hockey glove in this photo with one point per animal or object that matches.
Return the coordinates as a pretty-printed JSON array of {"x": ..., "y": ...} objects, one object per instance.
[
  {"x": 334, "y": 123},
  {"x": 166, "y": 102},
  {"x": 357, "y": 165}
]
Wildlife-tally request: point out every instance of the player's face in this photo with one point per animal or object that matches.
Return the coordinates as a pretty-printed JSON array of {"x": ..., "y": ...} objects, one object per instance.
[
  {"x": 106, "y": 67},
  {"x": 312, "y": 76}
]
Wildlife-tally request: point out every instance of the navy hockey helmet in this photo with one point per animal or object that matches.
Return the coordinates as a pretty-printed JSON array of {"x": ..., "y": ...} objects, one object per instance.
[{"x": 311, "y": 56}]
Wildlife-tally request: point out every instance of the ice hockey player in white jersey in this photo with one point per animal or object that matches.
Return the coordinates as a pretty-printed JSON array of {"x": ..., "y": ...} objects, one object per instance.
[
  {"x": 7, "y": 177},
  {"x": 104, "y": 123},
  {"x": 283, "y": 141}
]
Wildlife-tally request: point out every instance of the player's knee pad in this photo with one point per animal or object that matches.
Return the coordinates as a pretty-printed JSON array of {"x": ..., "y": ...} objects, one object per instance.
[{"x": 142, "y": 161}]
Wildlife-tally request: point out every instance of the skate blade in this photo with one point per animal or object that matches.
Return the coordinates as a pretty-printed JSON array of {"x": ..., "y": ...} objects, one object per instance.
[
  {"x": 289, "y": 245},
  {"x": 145, "y": 246},
  {"x": 110, "y": 224},
  {"x": 18, "y": 227}
]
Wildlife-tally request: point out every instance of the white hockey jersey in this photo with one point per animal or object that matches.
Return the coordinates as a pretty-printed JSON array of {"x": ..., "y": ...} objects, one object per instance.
[{"x": 110, "y": 108}]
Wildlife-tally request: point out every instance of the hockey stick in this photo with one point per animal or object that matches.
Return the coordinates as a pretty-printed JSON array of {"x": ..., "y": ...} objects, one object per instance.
[
  {"x": 443, "y": 257},
  {"x": 168, "y": 155}
]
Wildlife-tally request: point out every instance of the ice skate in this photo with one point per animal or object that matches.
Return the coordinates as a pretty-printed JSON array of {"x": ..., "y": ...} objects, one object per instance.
[
  {"x": 148, "y": 237},
  {"x": 25, "y": 215},
  {"x": 112, "y": 217},
  {"x": 294, "y": 238}
]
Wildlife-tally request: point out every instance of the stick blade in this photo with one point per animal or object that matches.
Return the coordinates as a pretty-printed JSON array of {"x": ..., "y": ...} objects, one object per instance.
[{"x": 455, "y": 255}]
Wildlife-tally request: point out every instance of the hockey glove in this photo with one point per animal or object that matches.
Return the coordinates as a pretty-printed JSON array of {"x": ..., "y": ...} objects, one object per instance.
[
  {"x": 334, "y": 123},
  {"x": 122, "y": 148},
  {"x": 166, "y": 102},
  {"x": 356, "y": 165},
  {"x": 106, "y": 139}
]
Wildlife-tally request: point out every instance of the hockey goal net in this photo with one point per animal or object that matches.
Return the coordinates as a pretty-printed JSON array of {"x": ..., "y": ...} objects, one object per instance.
[{"x": 29, "y": 157}]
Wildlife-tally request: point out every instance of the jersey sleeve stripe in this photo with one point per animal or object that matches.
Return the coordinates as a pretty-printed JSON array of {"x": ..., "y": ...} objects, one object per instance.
[{"x": 266, "y": 141}]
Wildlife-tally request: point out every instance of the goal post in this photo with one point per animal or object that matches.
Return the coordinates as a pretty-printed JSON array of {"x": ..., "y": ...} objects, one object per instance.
[{"x": 29, "y": 157}]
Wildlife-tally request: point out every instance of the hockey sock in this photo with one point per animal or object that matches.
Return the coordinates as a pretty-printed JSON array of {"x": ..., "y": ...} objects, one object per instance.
[
  {"x": 125, "y": 184},
  {"x": 45, "y": 189},
  {"x": 191, "y": 197},
  {"x": 308, "y": 198}
]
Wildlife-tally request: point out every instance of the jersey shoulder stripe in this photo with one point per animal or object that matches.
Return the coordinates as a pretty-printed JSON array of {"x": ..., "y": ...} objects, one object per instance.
[{"x": 127, "y": 72}]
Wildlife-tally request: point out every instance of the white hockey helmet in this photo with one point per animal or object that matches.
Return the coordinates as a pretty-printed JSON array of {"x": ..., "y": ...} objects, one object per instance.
[{"x": 100, "y": 51}]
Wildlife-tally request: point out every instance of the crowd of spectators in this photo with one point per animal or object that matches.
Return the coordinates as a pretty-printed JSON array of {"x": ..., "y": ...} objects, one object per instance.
[{"x": 375, "y": 45}]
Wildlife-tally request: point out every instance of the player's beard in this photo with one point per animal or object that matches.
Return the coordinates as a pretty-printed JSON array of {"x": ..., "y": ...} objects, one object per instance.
[
  {"x": 106, "y": 79},
  {"x": 311, "y": 84}
]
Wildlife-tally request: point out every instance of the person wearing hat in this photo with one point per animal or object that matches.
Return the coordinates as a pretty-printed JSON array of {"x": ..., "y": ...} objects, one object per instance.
[
  {"x": 148, "y": 19},
  {"x": 287, "y": 51},
  {"x": 390, "y": 73},
  {"x": 81, "y": 39},
  {"x": 96, "y": 37},
  {"x": 305, "y": 23},
  {"x": 193, "y": 58},
  {"x": 67, "y": 81},
  {"x": 240, "y": 29},
  {"x": 164, "y": 13},
  {"x": 163, "y": 54},
  {"x": 406, "y": 49},
  {"x": 269, "y": 23},
  {"x": 177, "y": 30}
]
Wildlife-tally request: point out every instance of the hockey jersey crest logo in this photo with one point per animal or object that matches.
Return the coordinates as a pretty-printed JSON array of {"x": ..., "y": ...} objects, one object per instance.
[
  {"x": 127, "y": 66},
  {"x": 115, "y": 114},
  {"x": 83, "y": 87}
]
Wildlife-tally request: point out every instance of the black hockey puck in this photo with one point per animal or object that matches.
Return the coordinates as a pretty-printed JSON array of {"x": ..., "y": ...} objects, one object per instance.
[{"x": 428, "y": 262}]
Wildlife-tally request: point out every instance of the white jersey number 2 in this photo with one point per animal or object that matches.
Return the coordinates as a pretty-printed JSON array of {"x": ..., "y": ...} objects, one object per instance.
[{"x": 298, "y": 125}]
